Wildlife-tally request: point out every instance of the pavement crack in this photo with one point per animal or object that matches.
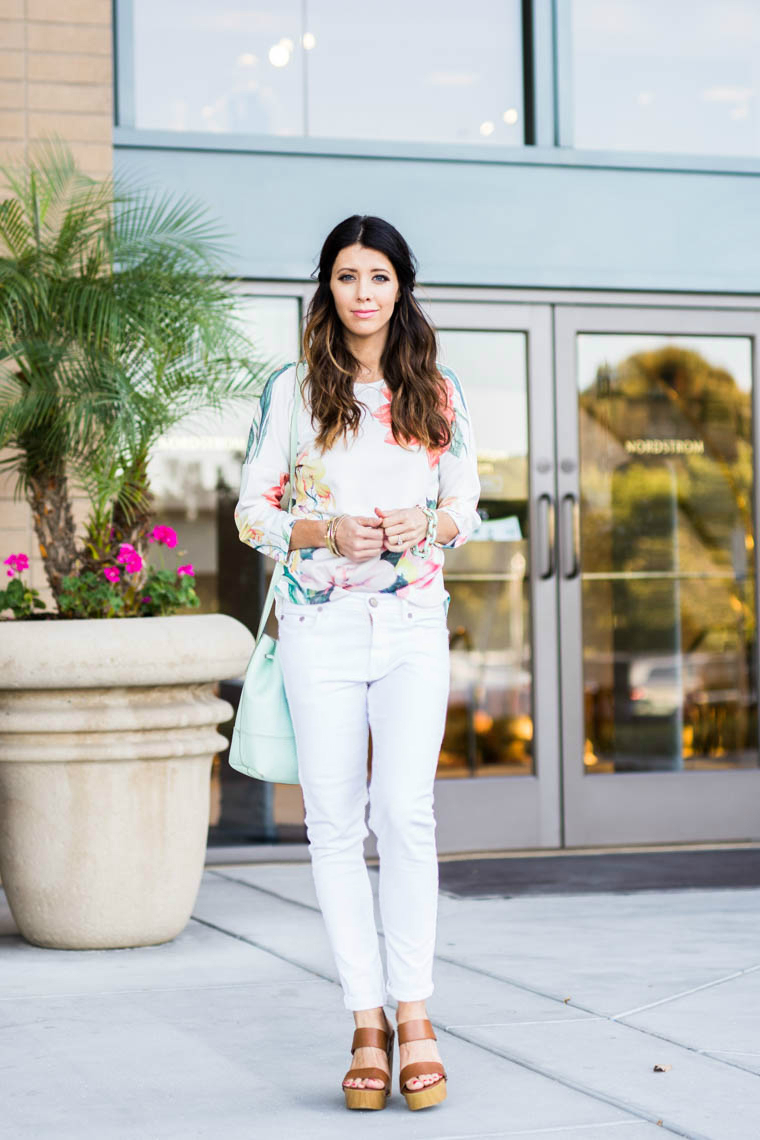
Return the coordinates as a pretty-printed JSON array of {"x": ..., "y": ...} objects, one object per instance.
[
  {"x": 687, "y": 993},
  {"x": 266, "y": 949}
]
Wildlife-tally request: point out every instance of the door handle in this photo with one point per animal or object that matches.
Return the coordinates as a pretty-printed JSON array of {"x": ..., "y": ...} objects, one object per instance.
[
  {"x": 570, "y": 536},
  {"x": 545, "y": 536}
]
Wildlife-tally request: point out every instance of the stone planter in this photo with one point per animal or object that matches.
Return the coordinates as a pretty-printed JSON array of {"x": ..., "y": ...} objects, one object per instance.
[{"x": 107, "y": 734}]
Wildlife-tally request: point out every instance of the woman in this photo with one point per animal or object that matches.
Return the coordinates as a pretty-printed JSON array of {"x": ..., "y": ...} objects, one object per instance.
[{"x": 385, "y": 478}]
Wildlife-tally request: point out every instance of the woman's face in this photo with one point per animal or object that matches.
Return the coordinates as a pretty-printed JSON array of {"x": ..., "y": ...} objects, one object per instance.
[{"x": 365, "y": 289}]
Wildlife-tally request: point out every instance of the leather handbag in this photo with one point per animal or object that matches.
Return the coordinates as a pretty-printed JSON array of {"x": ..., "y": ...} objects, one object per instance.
[{"x": 263, "y": 743}]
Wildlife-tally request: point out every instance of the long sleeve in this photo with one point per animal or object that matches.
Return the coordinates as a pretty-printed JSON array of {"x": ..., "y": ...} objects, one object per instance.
[
  {"x": 458, "y": 483},
  {"x": 261, "y": 520}
]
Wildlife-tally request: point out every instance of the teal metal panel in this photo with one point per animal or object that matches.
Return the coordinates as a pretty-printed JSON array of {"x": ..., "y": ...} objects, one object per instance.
[{"x": 534, "y": 223}]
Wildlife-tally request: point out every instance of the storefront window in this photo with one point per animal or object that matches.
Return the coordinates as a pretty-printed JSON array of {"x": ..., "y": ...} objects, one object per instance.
[
  {"x": 200, "y": 460},
  {"x": 433, "y": 72},
  {"x": 681, "y": 76},
  {"x": 490, "y": 723},
  {"x": 667, "y": 553}
]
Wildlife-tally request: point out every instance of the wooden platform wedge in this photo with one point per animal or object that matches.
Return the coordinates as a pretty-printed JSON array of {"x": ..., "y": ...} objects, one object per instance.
[
  {"x": 420, "y": 1030},
  {"x": 371, "y": 1098}
]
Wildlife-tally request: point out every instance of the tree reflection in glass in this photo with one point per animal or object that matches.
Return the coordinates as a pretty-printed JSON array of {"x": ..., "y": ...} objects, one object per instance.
[{"x": 667, "y": 539}]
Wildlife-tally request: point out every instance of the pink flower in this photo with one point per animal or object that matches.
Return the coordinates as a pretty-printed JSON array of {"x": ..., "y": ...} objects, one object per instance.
[
  {"x": 146, "y": 599},
  {"x": 187, "y": 569},
  {"x": 129, "y": 556},
  {"x": 17, "y": 563},
  {"x": 111, "y": 573},
  {"x": 274, "y": 494},
  {"x": 164, "y": 535}
]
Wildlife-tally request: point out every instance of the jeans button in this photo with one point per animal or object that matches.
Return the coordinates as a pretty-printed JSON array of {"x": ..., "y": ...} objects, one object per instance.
[{"x": 373, "y": 601}]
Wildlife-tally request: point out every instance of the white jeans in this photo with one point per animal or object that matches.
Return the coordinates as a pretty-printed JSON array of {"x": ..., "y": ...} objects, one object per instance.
[{"x": 370, "y": 660}]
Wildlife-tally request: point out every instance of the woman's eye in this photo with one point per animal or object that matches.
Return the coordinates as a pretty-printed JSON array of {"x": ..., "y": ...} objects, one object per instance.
[{"x": 349, "y": 276}]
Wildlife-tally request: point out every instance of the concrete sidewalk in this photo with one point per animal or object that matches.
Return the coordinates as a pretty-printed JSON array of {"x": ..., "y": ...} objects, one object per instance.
[{"x": 552, "y": 1013}]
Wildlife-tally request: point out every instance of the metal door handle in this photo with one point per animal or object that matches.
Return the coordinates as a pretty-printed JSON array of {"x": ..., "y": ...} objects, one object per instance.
[
  {"x": 570, "y": 536},
  {"x": 545, "y": 536}
]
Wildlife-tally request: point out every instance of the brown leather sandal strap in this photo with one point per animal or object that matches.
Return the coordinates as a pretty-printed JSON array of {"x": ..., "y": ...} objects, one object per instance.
[
  {"x": 368, "y": 1037},
  {"x": 418, "y": 1069},
  {"x": 420, "y": 1030},
  {"x": 369, "y": 1073}
]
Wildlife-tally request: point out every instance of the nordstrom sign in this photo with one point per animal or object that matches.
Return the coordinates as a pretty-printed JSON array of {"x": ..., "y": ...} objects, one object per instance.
[{"x": 665, "y": 446}]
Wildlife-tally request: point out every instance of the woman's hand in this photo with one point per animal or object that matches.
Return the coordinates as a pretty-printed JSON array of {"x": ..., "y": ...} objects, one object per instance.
[
  {"x": 359, "y": 538},
  {"x": 408, "y": 524}
]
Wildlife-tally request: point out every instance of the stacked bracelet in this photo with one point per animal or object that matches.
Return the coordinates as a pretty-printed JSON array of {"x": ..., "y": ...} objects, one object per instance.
[
  {"x": 432, "y": 530},
  {"x": 332, "y": 528}
]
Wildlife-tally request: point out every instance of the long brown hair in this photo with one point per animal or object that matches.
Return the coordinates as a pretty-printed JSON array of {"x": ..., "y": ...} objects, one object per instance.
[{"x": 408, "y": 362}]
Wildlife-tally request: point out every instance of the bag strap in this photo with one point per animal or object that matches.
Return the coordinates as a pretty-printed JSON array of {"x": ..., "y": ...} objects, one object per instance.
[{"x": 280, "y": 566}]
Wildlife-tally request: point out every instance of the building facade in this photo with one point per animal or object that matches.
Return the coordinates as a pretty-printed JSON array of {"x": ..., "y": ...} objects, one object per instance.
[{"x": 580, "y": 182}]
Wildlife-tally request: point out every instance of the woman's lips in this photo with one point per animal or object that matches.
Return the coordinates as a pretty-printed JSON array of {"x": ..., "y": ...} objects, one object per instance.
[{"x": 364, "y": 312}]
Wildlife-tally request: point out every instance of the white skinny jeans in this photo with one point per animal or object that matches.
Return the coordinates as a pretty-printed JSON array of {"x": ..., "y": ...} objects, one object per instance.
[{"x": 370, "y": 660}]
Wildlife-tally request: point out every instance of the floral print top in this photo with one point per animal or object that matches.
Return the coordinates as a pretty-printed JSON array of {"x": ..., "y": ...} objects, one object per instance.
[{"x": 353, "y": 477}]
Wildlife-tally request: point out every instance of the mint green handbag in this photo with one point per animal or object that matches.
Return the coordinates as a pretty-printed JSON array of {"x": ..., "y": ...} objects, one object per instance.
[{"x": 263, "y": 744}]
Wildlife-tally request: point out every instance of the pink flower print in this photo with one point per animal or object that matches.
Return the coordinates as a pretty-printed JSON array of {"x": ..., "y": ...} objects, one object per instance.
[
  {"x": 186, "y": 571},
  {"x": 111, "y": 573},
  {"x": 274, "y": 494},
  {"x": 421, "y": 575},
  {"x": 133, "y": 562},
  {"x": 447, "y": 411},
  {"x": 16, "y": 564},
  {"x": 164, "y": 535},
  {"x": 383, "y": 414}
]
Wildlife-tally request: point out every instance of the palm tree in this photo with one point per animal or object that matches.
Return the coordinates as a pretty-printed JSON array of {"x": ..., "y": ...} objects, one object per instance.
[{"x": 115, "y": 324}]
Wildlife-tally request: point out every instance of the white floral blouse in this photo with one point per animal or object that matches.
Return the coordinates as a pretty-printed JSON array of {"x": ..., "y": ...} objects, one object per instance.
[{"x": 353, "y": 477}]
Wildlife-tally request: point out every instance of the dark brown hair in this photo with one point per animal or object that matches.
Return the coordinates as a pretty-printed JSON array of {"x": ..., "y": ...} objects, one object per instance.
[{"x": 408, "y": 362}]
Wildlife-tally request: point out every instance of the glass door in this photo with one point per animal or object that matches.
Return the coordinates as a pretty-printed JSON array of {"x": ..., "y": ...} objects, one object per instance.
[
  {"x": 657, "y": 526},
  {"x": 498, "y": 776}
]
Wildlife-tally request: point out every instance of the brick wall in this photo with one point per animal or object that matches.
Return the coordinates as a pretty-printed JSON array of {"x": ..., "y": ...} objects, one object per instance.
[{"x": 56, "y": 78}]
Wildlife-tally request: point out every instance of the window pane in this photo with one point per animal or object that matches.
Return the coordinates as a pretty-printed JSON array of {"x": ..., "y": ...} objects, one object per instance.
[
  {"x": 436, "y": 70},
  {"x": 198, "y": 459},
  {"x": 489, "y": 728},
  {"x": 667, "y": 553},
  {"x": 679, "y": 76},
  {"x": 428, "y": 71},
  {"x": 227, "y": 67}
]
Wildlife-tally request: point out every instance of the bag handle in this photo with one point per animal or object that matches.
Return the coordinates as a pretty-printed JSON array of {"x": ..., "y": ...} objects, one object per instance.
[{"x": 280, "y": 566}]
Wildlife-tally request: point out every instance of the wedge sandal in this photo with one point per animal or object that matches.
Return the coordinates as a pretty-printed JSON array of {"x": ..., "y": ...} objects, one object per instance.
[
  {"x": 371, "y": 1098},
  {"x": 420, "y": 1030}
]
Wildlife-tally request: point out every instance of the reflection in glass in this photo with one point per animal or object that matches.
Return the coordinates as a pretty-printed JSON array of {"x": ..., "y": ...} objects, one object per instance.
[
  {"x": 195, "y": 476},
  {"x": 667, "y": 544},
  {"x": 201, "y": 457},
  {"x": 434, "y": 72},
  {"x": 231, "y": 67},
  {"x": 490, "y": 722},
  {"x": 681, "y": 76}
]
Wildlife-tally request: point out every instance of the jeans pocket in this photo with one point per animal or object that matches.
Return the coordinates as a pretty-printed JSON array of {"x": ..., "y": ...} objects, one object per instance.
[{"x": 427, "y": 617}]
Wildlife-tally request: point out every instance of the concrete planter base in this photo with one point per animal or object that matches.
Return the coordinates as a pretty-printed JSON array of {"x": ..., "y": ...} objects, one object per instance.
[{"x": 107, "y": 733}]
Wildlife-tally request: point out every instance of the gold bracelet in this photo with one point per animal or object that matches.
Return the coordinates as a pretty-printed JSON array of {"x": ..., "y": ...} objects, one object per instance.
[
  {"x": 338, "y": 521},
  {"x": 330, "y": 535}
]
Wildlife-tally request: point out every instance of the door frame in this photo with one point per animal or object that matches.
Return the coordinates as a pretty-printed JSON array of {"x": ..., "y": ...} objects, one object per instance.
[
  {"x": 485, "y": 813},
  {"x": 637, "y": 807}
]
